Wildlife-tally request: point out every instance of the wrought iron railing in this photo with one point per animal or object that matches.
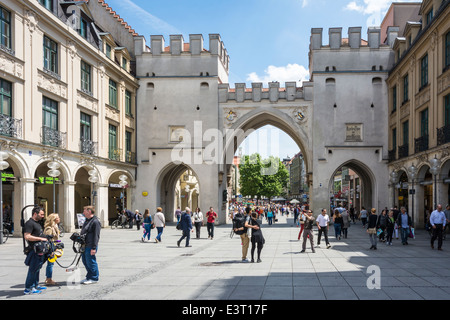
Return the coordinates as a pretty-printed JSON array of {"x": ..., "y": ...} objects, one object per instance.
[
  {"x": 130, "y": 157},
  {"x": 54, "y": 138},
  {"x": 443, "y": 135},
  {"x": 403, "y": 151},
  {"x": 10, "y": 127},
  {"x": 391, "y": 155},
  {"x": 115, "y": 154},
  {"x": 421, "y": 144},
  {"x": 88, "y": 147}
]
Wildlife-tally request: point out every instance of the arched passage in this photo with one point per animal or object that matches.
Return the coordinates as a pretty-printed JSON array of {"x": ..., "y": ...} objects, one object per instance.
[
  {"x": 363, "y": 178},
  {"x": 169, "y": 197}
]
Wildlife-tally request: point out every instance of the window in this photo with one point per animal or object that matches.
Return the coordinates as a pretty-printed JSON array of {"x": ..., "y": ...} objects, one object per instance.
[
  {"x": 128, "y": 141},
  {"x": 5, "y": 98},
  {"x": 447, "y": 51},
  {"x": 405, "y": 89},
  {"x": 85, "y": 77},
  {"x": 124, "y": 63},
  {"x": 394, "y": 99},
  {"x": 394, "y": 139},
  {"x": 424, "y": 123},
  {"x": 83, "y": 28},
  {"x": 113, "y": 152},
  {"x": 49, "y": 113},
  {"x": 429, "y": 16},
  {"x": 5, "y": 28},
  {"x": 112, "y": 93},
  {"x": 48, "y": 4},
  {"x": 128, "y": 102},
  {"x": 424, "y": 71},
  {"x": 108, "y": 51},
  {"x": 405, "y": 132},
  {"x": 447, "y": 110},
  {"x": 85, "y": 126},
  {"x": 50, "y": 55}
]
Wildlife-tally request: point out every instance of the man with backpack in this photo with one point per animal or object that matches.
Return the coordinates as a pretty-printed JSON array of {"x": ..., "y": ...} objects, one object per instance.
[{"x": 240, "y": 227}]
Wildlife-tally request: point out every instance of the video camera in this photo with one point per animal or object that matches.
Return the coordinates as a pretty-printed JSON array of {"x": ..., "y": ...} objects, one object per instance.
[{"x": 78, "y": 238}]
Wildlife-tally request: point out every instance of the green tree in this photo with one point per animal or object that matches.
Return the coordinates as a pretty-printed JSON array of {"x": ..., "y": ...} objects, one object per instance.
[{"x": 260, "y": 178}]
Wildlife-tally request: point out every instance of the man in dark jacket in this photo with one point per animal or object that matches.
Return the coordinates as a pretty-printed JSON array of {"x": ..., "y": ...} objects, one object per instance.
[
  {"x": 404, "y": 223},
  {"x": 186, "y": 226},
  {"x": 91, "y": 230}
]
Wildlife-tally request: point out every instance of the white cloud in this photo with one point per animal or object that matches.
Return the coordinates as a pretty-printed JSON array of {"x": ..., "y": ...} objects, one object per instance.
[
  {"x": 352, "y": 6},
  {"x": 305, "y": 3},
  {"x": 373, "y": 6},
  {"x": 291, "y": 72}
]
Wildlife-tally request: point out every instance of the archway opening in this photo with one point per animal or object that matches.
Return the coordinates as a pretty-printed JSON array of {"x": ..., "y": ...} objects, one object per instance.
[
  {"x": 118, "y": 194},
  {"x": 351, "y": 186},
  {"x": 83, "y": 195},
  {"x": 178, "y": 188},
  {"x": 48, "y": 190}
]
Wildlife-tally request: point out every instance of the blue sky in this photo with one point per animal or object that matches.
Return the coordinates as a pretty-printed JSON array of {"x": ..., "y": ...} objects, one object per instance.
[{"x": 267, "y": 40}]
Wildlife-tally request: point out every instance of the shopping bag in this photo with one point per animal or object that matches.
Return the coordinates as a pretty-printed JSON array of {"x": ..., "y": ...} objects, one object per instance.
[{"x": 411, "y": 233}]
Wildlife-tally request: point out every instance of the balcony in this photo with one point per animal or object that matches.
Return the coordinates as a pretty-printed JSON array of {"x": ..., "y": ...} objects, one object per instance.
[
  {"x": 443, "y": 135},
  {"x": 403, "y": 151},
  {"x": 88, "y": 147},
  {"x": 130, "y": 157},
  {"x": 54, "y": 138},
  {"x": 114, "y": 154},
  {"x": 10, "y": 127},
  {"x": 391, "y": 155},
  {"x": 421, "y": 144}
]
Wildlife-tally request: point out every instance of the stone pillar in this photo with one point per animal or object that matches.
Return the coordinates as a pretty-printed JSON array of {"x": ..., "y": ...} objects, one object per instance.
[
  {"x": 67, "y": 206},
  {"x": 101, "y": 204}
]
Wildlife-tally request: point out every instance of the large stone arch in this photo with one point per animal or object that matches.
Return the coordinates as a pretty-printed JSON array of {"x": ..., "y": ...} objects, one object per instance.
[
  {"x": 368, "y": 194},
  {"x": 165, "y": 188}
]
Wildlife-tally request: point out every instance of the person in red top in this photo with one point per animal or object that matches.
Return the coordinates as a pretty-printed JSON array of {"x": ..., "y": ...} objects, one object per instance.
[{"x": 211, "y": 216}]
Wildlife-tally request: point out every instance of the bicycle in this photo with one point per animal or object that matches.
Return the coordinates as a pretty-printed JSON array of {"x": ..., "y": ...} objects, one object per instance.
[
  {"x": 6, "y": 227},
  {"x": 120, "y": 222}
]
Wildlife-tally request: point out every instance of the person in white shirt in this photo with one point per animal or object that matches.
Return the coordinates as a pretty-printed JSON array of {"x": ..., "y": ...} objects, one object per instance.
[
  {"x": 323, "y": 222},
  {"x": 160, "y": 223},
  {"x": 198, "y": 221},
  {"x": 437, "y": 221}
]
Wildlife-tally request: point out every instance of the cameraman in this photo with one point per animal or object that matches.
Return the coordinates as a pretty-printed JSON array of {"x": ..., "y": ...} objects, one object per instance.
[
  {"x": 35, "y": 258},
  {"x": 91, "y": 232}
]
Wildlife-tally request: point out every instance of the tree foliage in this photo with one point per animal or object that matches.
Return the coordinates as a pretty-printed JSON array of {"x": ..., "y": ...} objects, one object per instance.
[{"x": 262, "y": 177}]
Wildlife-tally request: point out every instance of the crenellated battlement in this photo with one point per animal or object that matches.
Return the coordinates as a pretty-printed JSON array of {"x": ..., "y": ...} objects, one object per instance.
[
  {"x": 178, "y": 47},
  {"x": 273, "y": 93},
  {"x": 353, "y": 40}
]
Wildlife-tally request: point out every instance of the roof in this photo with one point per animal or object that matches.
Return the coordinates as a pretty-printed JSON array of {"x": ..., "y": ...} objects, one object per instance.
[{"x": 116, "y": 15}]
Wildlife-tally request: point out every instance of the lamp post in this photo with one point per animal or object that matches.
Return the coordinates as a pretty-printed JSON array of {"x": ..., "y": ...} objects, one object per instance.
[
  {"x": 412, "y": 170},
  {"x": 53, "y": 172},
  {"x": 123, "y": 182},
  {"x": 93, "y": 178},
  {"x": 394, "y": 179},
  {"x": 435, "y": 170},
  {"x": 3, "y": 165}
]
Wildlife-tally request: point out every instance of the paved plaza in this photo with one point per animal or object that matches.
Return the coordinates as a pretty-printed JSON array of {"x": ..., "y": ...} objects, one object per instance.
[{"x": 212, "y": 269}]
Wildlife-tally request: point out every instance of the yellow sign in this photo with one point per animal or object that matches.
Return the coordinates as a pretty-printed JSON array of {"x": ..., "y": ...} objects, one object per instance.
[{"x": 145, "y": 193}]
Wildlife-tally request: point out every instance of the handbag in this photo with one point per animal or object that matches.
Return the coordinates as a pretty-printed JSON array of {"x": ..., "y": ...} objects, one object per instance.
[
  {"x": 411, "y": 233},
  {"x": 372, "y": 230},
  {"x": 379, "y": 231}
]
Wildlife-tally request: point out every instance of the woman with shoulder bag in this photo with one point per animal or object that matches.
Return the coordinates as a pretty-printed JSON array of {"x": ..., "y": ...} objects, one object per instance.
[
  {"x": 160, "y": 223},
  {"x": 372, "y": 228},
  {"x": 51, "y": 229},
  {"x": 302, "y": 224},
  {"x": 147, "y": 225}
]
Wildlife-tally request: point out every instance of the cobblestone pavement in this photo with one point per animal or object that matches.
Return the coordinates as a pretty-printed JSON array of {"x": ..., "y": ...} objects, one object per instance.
[{"x": 213, "y": 270}]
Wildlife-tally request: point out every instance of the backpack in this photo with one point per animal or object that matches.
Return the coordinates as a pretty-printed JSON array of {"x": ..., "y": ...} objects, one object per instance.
[{"x": 239, "y": 222}]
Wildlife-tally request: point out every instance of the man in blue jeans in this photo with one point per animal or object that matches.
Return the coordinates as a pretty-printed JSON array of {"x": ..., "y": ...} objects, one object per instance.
[
  {"x": 404, "y": 223},
  {"x": 91, "y": 229}
]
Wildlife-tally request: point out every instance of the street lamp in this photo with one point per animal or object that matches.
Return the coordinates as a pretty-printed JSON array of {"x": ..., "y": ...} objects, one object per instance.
[
  {"x": 123, "y": 182},
  {"x": 435, "y": 170},
  {"x": 53, "y": 172},
  {"x": 412, "y": 170},
  {"x": 93, "y": 178},
  {"x": 3, "y": 165},
  {"x": 394, "y": 179}
]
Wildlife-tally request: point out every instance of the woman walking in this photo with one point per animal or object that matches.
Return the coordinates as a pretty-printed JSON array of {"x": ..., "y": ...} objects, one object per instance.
[
  {"x": 257, "y": 236},
  {"x": 51, "y": 229},
  {"x": 390, "y": 225},
  {"x": 338, "y": 222},
  {"x": 160, "y": 223},
  {"x": 382, "y": 225},
  {"x": 346, "y": 225},
  {"x": 372, "y": 228},
  {"x": 147, "y": 225},
  {"x": 270, "y": 216}
]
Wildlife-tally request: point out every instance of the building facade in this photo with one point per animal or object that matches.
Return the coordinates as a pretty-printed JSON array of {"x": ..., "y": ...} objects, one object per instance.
[
  {"x": 419, "y": 112},
  {"x": 68, "y": 95}
]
